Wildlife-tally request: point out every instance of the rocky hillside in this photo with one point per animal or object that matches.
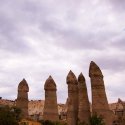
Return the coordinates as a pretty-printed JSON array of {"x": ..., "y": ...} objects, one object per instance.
[{"x": 36, "y": 106}]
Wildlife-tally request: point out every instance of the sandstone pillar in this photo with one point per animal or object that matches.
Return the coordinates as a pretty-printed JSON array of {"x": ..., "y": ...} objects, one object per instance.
[
  {"x": 84, "y": 106},
  {"x": 22, "y": 98},
  {"x": 99, "y": 98},
  {"x": 72, "y": 109},
  {"x": 50, "y": 111}
]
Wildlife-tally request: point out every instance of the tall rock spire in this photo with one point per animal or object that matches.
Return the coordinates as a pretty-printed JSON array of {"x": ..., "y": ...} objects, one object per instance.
[
  {"x": 84, "y": 106},
  {"x": 99, "y": 98},
  {"x": 71, "y": 78},
  {"x": 50, "y": 111},
  {"x": 22, "y": 98},
  {"x": 94, "y": 70},
  {"x": 72, "y": 110}
]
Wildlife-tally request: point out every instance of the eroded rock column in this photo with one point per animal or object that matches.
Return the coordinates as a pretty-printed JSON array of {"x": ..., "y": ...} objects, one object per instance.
[
  {"x": 99, "y": 98},
  {"x": 84, "y": 106},
  {"x": 72, "y": 109},
  {"x": 50, "y": 111},
  {"x": 22, "y": 98}
]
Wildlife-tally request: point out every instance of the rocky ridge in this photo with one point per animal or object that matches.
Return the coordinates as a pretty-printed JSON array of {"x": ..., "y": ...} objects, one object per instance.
[{"x": 36, "y": 106}]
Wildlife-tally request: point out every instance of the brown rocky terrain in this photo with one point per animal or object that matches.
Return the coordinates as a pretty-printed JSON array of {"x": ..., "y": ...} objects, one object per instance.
[{"x": 36, "y": 106}]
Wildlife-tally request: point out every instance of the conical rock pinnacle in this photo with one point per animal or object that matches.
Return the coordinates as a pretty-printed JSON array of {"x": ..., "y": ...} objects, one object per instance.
[
  {"x": 24, "y": 82},
  {"x": 94, "y": 70},
  {"x": 50, "y": 83},
  {"x": 81, "y": 77},
  {"x": 23, "y": 86},
  {"x": 71, "y": 78}
]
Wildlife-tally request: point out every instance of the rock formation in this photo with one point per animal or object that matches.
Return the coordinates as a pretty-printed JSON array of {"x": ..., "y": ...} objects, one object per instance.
[
  {"x": 22, "y": 98},
  {"x": 84, "y": 106},
  {"x": 72, "y": 109},
  {"x": 99, "y": 99},
  {"x": 50, "y": 111}
]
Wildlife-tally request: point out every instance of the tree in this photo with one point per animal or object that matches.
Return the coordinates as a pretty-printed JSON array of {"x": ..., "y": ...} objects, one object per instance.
[
  {"x": 17, "y": 113},
  {"x": 9, "y": 116},
  {"x": 96, "y": 120}
]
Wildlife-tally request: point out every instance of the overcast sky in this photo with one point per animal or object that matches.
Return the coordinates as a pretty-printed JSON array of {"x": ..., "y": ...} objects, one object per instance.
[{"x": 39, "y": 38}]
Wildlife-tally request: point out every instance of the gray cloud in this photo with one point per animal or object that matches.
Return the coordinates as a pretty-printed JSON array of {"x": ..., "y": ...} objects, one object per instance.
[
  {"x": 11, "y": 36},
  {"x": 118, "y": 5},
  {"x": 118, "y": 42},
  {"x": 42, "y": 38},
  {"x": 114, "y": 63}
]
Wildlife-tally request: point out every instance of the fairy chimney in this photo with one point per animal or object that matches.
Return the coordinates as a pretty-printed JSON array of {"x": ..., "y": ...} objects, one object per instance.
[
  {"x": 22, "y": 98},
  {"x": 99, "y": 98},
  {"x": 84, "y": 106},
  {"x": 50, "y": 111},
  {"x": 72, "y": 109}
]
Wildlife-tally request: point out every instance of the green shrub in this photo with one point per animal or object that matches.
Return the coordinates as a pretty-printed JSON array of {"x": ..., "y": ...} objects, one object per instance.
[
  {"x": 96, "y": 120},
  {"x": 9, "y": 116}
]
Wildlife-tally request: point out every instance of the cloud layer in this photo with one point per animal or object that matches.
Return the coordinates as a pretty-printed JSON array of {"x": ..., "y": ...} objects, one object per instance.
[{"x": 42, "y": 38}]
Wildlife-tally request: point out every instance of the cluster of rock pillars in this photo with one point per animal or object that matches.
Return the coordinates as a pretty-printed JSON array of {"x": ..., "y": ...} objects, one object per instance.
[{"x": 78, "y": 102}]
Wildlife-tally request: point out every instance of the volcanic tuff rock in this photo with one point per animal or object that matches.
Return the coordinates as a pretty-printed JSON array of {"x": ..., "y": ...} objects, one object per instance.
[
  {"x": 22, "y": 98},
  {"x": 99, "y": 98},
  {"x": 72, "y": 108},
  {"x": 50, "y": 111},
  {"x": 84, "y": 106},
  {"x": 36, "y": 106}
]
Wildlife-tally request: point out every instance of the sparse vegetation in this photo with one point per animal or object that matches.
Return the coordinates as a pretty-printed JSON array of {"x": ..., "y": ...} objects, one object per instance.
[
  {"x": 81, "y": 123},
  {"x": 96, "y": 120},
  {"x": 9, "y": 116}
]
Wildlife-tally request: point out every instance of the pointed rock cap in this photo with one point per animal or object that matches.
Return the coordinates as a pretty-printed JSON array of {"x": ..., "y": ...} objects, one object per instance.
[
  {"x": 50, "y": 84},
  {"x": 23, "y": 86},
  {"x": 81, "y": 82},
  {"x": 94, "y": 70},
  {"x": 71, "y": 78},
  {"x": 81, "y": 78},
  {"x": 119, "y": 100}
]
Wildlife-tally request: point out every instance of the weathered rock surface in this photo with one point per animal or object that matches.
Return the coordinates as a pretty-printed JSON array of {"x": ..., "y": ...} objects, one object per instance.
[
  {"x": 72, "y": 109},
  {"x": 99, "y": 98},
  {"x": 35, "y": 107},
  {"x": 50, "y": 111},
  {"x": 22, "y": 98},
  {"x": 84, "y": 106}
]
